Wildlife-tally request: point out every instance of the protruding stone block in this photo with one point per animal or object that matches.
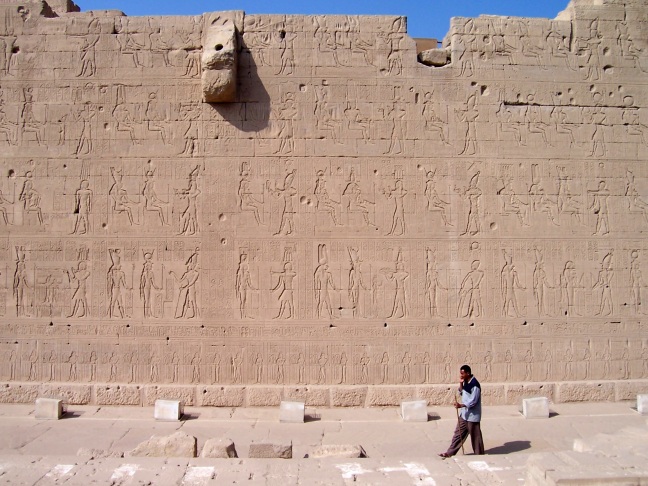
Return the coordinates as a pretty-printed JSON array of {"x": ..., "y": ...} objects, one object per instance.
[
  {"x": 642, "y": 404},
  {"x": 268, "y": 450},
  {"x": 175, "y": 445},
  {"x": 292, "y": 412},
  {"x": 341, "y": 451},
  {"x": 434, "y": 57},
  {"x": 49, "y": 408},
  {"x": 219, "y": 449},
  {"x": 169, "y": 410},
  {"x": 533, "y": 408},
  {"x": 414, "y": 411},
  {"x": 219, "y": 59}
]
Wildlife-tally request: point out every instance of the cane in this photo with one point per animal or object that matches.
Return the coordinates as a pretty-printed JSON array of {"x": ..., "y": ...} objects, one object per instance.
[{"x": 463, "y": 452}]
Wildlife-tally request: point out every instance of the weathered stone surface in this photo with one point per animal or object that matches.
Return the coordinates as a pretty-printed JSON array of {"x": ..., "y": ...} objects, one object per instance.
[
  {"x": 169, "y": 410},
  {"x": 48, "y": 409},
  {"x": 219, "y": 449},
  {"x": 70, "y": 394},
  {"x": 221, "y": 396},
  {"x": 93, "y": 454},
  {"x": 270, "y": 450},
  {"x": 628, "y": 390},
  {"x": 186, "y": 394},
  {"x": 292, "y": 412},
  {"x": 434, "y": 57},
  {"x": 341, "y": 451},
  {"x": 516, "y": 392},
  {"x": 642, "y": 404},
  {"x": 117, "y": 395},
  {"x": 349, "y": 222},
  {"x": 414, "y": 411},
  {"x": 175, "y": 445},
  {"x": 18, "y": 392},
  {"x": 437, "y": 394},
  {"x": 535, "y": 408}
]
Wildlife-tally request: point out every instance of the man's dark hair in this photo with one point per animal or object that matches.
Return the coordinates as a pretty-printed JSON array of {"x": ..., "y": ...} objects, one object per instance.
[{"x": 466, "y": 369}]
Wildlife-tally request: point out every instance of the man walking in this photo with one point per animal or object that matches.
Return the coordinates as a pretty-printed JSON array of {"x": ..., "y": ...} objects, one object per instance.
[{"x": 469, "y": 415}]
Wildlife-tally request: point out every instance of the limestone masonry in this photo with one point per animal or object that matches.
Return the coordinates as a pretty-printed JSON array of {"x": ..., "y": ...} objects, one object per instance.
[{"x": 234, "y": 209}]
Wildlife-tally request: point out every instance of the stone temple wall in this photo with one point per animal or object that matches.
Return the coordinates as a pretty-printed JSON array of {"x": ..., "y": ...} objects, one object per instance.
[{"x": 233, "y": 209}]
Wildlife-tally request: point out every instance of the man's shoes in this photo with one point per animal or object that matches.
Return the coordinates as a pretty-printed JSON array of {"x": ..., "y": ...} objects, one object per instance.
[{"x": 444, "y": 455}]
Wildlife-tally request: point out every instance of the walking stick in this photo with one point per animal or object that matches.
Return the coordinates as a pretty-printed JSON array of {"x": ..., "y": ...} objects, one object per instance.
[{"x": 463, "y": 452}]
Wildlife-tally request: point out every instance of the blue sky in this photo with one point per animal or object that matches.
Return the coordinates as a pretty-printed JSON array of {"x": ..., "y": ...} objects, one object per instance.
[{"x": 425, "y": 18}]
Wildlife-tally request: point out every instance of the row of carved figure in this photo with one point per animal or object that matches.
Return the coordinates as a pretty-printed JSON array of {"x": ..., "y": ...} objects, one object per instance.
[
  {"x": 594, "y": 128},
  {"x": 274, "y": 204},
  {"x": 324, "y": 367},
  {"x": 375, "y": 292}
]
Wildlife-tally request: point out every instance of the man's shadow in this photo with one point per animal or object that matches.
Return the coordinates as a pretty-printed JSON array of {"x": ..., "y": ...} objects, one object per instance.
[{"x": 509, "y": 447}]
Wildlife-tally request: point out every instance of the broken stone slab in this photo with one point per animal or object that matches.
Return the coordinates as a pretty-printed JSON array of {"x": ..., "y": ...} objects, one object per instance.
[
  {"x": 334, "y": 450},
  {"x": 168, "y": 410},
  {"x": 434, "y": 57},
  {"x": 49, "y": 408},
  {"x": 291, "y": 412},
  {"x": 642, "y": 404},
  {"x": 175, "y": 445},
  {"x": 93, "y": 454},
  {"x": 219, "y": 449},
  {"x": 537, "y": 407},
  {"x": 270, "y": 450},
  {"x": 414, "y": 411}
]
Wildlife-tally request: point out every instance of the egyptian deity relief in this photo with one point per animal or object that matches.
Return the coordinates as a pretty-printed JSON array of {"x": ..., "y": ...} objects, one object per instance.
[{"x": 347, "y": 215}]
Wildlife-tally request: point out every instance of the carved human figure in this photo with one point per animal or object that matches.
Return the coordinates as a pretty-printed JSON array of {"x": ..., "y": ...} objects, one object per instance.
[
  {"x": 195, "y": 368},
  {"x": 342, "y": 361},
  {"x": 636, "y": 281},
  {"x": 508, "y": 361},
  {"x": 189, "y": 215},
  {"x": 599, "y": 207},
  {"x": 426, "y": 361},
  {"x": 3, "y": 208},
  {"x": 246, "y": 200},
  {"x": 488, "y": 362},
  {"x": 569, "y": 282},
  {"x": 604, "y": 282},
  {"x": 156, "y": 117},
  {"x": 216, "y": 360},
  {"x": 7, "y": 127},
  {"x": 300, "y": 368},
  {"x": 155, "y": 368},
  {"x": 285, "y": 132},
  {"x": 364, "y": 368},
  {"x": 79, "y": 297},
  {"x": 321, "y": 367},
  {"x": 509, "y": 283},
  {"x": 147, "y": 285},
  {"x": 88, "y": 56},
  {"x": 116, "y": 285},
  {"x": 540, "y": 285},
  {"x": 243, "y": 285},
  {"x": 121, "y": 203},
  {"x": 384, "y": 366},
  {"x": 626, "y": 44},
  {"x": 568, "y": 364},
  {"x": 534, "y": 121},
  {"x": 280, "y": 363},
  {"x": 190, "y": 114},
  {"x": 152, "y": 202},
  {"x": 432, "y": 282},
  {"x": 393, "y": 115},
  {"x": 468, "y": 116},
  {"x": 540, "y": 201},
  {"x": 567, "y": 202},
  {"x": 434, "y": 202},
  {"x": 470, "y": 304},
  {"x": 561, "y": 123},
  {"x": 472, "y": 193},
  {"x": 33, "y": 365},
  {"x": 323, "y": 282},
  {"x": 355, "y": 279},
  {"x": 125, "y": 122},
  {"x": 113, "y": 359},
  {"x": 82, "y": 208},
  {"x": 324, "y": 201},
  {"x": 175, "y": 367},
  {"x": 399, "y": 306},
  {"x": 598, "y": 119},
  {"x": 587, "y": 357},
  {"x": 406, "y": 362},
  {"x": 512, "y": 203},
  {"x": 432, "y": 122},
  {"x": 506, "y": 123},
  {"x": 31, "y": 198},
  {"x": 356, "y": 200},
  {"x": 285, "y": 288},
  {"x": 447, "y": 362},
  {"x": 28, "y": 121},
  {"x": 528, "y": 360},
  {"x": 397, "y": 193},
  {"x": 548, "y": 364},
  {"x": 633, "y": 198},
  {"x": 187, "y": 303},
  {"x": 327, "y": 116},
  {"x": 286, "y": 193},
  {"x": 21, "y": 286}
]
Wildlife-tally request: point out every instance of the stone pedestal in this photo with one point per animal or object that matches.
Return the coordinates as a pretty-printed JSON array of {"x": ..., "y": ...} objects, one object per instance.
[
  {"x": 642, "y": 404},
  {"x": 534, "y": 408},
  {"x": 414, "y": 411},
  {"x": 291, "y": 412},
  {"x": 168, "y": 410},
  {"x": 49, "y": 408}
]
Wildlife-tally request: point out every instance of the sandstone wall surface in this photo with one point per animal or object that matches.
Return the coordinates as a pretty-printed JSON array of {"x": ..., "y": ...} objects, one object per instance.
[{"x": 232, "y": 209}]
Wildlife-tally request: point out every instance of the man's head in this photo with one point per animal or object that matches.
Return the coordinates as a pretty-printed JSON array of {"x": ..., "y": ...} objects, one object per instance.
[{"x": 465, "y": 372}]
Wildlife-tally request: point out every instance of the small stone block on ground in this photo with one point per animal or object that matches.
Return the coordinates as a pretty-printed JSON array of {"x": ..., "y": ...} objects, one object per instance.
[
  {"x": 642, "y": 404},
  {"x": 414, "y": 411},
  {"x": 175, "y": 445},
  {"x": 49, "y": 408},
  {"x": 533, "y": 408},
  {"x": 219, "y": 449},
  {"x": 291, "y": 412},
  {"x": 168, "y": 410},
  {"x": 269, "y": 450}
]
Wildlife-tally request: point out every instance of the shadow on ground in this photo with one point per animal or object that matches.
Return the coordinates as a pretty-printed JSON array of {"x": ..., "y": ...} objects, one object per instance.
[{"x": 509, "y": 447}]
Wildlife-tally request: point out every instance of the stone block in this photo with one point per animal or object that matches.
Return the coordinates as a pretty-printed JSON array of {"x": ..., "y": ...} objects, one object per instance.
[
  {"x": 168, "y": 410},
  {"x": 537, "y": 407},
  {"x": 175, "y": 445},
  {"x": 339, "y": 451},
  {"x": 493, "y": 394},
  {"x": 291, "y": 412},
  {"x": 584, "y": 391},
  {"x": 629, "y": 389},
  {"x": 434, "y": 57},
  {"x": 516, "y": 392},
  {"x": 437, "y": 394},
  {"x": 318, "y": 396},
  {"x": 186, "y": 394},
  {"x": 18, "y": 392},
  {"x": 414, "y": 411},
  {"x": 348, "y": 396},
  {"x": 49, "y": 409},
  {"x": 219, "y": 449},
  {"x": 388, "y": 396},
  {"x": 221, "y": 396},
  {"x": 270, "y": 450},
  {"x": 70, "y": 394},
  {"x": 263, "y": 396},
  {"x": 642, "y": 404}
]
